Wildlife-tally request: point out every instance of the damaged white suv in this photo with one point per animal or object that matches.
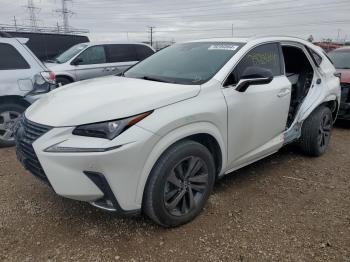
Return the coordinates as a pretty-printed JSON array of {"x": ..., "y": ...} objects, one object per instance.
[{"x": 156, "y": 138}]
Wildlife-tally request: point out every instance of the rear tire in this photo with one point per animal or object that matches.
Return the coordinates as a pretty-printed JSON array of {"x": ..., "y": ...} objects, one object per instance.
[
  {"x": 8, "y": 115},
  {"x": 316, "y": 132},
  {"x": 179, "y": 184}
]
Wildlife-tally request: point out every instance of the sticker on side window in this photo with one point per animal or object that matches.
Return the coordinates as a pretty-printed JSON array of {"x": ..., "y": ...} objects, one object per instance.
[{"x": 223, "y": 47}]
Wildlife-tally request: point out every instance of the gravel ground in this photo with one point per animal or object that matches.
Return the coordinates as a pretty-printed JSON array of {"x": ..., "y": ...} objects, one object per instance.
[{"x": 287, "y": 207}]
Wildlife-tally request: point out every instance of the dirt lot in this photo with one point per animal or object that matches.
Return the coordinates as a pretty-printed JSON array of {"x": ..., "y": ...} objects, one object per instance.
[{"x": 288, "y": 208}]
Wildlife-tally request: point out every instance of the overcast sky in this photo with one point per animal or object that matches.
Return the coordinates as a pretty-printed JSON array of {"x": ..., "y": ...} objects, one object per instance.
[{"x": 183, "y": 19}]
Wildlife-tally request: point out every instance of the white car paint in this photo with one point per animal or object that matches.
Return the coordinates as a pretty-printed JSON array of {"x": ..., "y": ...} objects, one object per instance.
[
  {"x": 247, "y": 126},
  {"x": 117, "y": 97}
]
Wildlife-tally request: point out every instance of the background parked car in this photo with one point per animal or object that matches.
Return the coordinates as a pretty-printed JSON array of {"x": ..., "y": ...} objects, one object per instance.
[
  {"x": 23, "y": 78},
  {"x": 48, "y": 46},
  {"x": 89, "y": 60},
  {"x": 341, "y": 60}
]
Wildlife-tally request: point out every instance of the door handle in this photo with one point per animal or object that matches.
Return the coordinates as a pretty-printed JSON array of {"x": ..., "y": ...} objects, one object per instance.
[
  {"x": 106, "y": 69},
  {"x": 284, "y": 92}
]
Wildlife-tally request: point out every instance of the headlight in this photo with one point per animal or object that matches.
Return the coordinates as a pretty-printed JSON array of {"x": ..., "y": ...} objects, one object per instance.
[{"x": 110, "y": 129}]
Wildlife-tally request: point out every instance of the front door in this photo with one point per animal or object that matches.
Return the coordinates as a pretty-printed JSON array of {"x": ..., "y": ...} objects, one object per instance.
[
  {"x": 257, "y": 117},
  {"x": 91, "y": 63}
]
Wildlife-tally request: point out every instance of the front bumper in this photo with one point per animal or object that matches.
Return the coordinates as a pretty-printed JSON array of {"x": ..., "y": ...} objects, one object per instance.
[{"x": 108, "y": 180}]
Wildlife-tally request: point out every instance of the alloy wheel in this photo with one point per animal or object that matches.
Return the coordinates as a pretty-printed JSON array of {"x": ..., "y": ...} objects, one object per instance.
[
  {"x": 324, "y": 131},
  {"x": 7, "y": 121},
  {"x": 186, "y": 185}
]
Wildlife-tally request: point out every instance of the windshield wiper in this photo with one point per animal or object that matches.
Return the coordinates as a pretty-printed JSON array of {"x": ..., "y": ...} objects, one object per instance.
[
  {"x": 55, "y": 60},
  {"x": 120, "y": 74},
  {"x": 151, "y": 78}
]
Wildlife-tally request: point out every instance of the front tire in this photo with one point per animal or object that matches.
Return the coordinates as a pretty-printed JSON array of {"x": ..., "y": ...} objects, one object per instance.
[
  {"x": 316, "y": 132},
  {"x": 179, "y": 184},
  {"x": 9, "y": 113},
  {"x": 61, "y": 81}
]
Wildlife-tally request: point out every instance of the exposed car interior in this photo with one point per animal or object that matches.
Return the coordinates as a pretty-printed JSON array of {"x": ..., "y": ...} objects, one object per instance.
[{"x": 300, "y": 73}]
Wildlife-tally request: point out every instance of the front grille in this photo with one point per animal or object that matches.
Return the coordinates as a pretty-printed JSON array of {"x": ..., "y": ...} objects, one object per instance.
[
  {"x": 26, "y": 133},
  {"x": 345, "y": 92}
]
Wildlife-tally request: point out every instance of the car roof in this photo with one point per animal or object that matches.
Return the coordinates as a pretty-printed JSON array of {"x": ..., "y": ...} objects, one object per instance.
[
  {"x": 254, "y": 39},
  {"x": 113, "y": 43}
]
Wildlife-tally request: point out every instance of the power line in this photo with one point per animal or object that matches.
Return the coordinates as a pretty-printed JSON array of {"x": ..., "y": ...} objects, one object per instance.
[
  {"x": 236, "y": 13},
  {"x": 184, "y": 30},
  {"x": 226, "y": 7},
  {"x": 252, "y": 14}
]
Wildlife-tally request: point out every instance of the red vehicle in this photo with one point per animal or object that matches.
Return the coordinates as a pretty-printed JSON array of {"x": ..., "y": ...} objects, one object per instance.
[{"x": 341, "y": 59}]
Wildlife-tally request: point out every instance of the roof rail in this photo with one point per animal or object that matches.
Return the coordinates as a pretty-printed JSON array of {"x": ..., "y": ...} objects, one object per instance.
[
  {"x": 5, "y": 35},
  {"x": 266, "y": 36}
]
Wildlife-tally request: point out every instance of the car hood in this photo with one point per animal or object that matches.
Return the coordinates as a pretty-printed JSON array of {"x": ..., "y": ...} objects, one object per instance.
[
  {"x": 54, "y": 66},
  {"x": 105, "y": 98},
  {"x": 345, "y": 75}
]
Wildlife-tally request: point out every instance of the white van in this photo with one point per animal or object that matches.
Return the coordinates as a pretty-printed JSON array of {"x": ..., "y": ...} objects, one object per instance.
[{"x": 90, "y": 60}]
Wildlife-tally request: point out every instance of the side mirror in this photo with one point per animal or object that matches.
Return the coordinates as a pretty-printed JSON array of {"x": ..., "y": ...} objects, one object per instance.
[
  {"x": 254, "y": 75},
  {"x": 77, "y": 61}
]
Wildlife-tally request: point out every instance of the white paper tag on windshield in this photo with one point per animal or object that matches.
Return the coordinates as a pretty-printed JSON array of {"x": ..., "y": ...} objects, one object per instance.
[{"x": 223, "y": 47}]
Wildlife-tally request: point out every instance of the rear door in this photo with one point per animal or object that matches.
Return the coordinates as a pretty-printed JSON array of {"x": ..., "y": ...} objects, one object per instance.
[
  {"x": 15, "y": 72},
  {"x": 92, "y": 63},
  {"x": 257, "y": 117},
  {"x": 120, "y": 57}
]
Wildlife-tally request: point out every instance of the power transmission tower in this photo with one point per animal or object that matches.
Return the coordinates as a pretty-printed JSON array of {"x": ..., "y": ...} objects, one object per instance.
[
  {"x": 151, "y": 34},
  {"x": 32, "y": 10},
  {"x": 66, "y": 13}
]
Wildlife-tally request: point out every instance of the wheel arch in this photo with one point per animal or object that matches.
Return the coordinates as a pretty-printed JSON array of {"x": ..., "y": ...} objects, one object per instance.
[
  {"x": 14, "y": 99},
  {"x": 333, "y": 105},
  {"x": 204, "y": 133},
  {"x": 69, "y": 77}
]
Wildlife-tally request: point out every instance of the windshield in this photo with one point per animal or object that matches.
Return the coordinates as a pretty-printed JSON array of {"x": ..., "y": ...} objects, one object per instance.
[
  {"x": 70, "y": 53},
  {"x": 187, "y": 63},
  {"x": 340, "y": 59}
]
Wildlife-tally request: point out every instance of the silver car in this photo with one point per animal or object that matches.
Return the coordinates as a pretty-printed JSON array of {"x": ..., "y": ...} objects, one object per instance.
[
  {"x": 90, "y": 60},
  {"x": 23, "y": 79}
]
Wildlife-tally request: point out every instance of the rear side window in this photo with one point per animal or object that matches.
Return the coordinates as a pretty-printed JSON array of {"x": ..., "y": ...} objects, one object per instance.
[
  {"x": 121, "y": 53},
  {"x": 93, "y": 55},
  {"x": 143, "y": 52},
  {"x": 11, "y": 59},
  {"x": 266, "y": 56}
]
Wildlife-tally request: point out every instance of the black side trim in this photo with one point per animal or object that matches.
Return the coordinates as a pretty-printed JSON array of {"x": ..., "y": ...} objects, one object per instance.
[{"x": 101, "y": 182}]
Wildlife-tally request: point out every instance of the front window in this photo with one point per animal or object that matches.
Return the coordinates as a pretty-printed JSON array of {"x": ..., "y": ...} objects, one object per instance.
[
  {"x": 188, "y": 63},
  {"x": 340, "y": 59},
  {"x": 92, "y": 55},
  {"x": 70, "y": 53}
]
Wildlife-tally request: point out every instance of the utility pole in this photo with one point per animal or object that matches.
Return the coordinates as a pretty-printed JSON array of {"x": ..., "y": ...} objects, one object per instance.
[
  {"x": 32, "y": 10},
  {"x": 15, "y": 22},
  {"x": 151, "y": 34}
]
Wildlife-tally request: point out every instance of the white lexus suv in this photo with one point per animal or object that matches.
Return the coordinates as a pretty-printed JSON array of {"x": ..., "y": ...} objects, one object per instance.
[{"x": 157, "y": 137}]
